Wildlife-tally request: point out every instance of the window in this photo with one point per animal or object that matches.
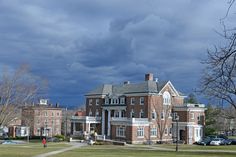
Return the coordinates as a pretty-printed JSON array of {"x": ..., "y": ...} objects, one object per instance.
[
  {"x": 122, "y": 100},
  {"x": 116, "y": 114},
  {"x": 45, "y": 113},
  {"x": 166, "y": 131},
  {"x": 140, "y": 132},
  {"x": 153, "y": 131},
  {"x": 52, "y": 114},
  {"x": 170, "y": 115},
  {"x": 132, "y": 101},
  {"x": 192, "y": 115},
  {"x": 120, "y": 132},
  {"x": 154, "y": 115},
  {"x": 199, "y": 117},
  {"x": 97, "y": 113},
  {"x": 141, "y": 101},
  {"x": 166, "y": 98},
  {"x": 97, "y": 101},
  {"x": 141, "y": 114},
  {"x": 90, "y": 101},
  {"x": 107, "y": 101},
  {"x": 46, "y": 122},
  {"x": 132, "y": 114},
  {"x": 162, "y": 115},
  {"x": 90, "y": 113},
  {"x": 52, "y": 122},
  {"x": 58, "y": 114},
  {"x": 170, "y": 131}
]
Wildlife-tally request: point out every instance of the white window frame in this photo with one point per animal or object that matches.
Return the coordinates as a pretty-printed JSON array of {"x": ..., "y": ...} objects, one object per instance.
[
  {"x": 97, "y": 102},
  {"x": 141, "y": 100},
  {"x": 166, "y": 131},
  {"x": 192, "y": 115},
  {"x": 162, "y": 115},
  {"x": 116, "y": 114},
  {"x": 106, "y": 101},
  {"x": 90, "y": 113},
  {"x": 132, "y": 114},
  {"x": 153, "y": 132},
  {"x": 140, "y": 132},
  {"x": 97, "y": 113},
  {"x": 141, "y": 114},
  {"x": 170, "y": 131},
  {"x": 90, "y": 102},
  {"x": 154, "y": 115},
  {"x": 132, "y": 101},
  {"x": 120, "y": 131},
  {"x": 122, "y": 100},
  {"x": 166, "y": 98}
]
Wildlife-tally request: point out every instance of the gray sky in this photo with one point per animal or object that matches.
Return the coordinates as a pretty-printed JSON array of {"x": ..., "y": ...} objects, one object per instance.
[{"x": 79, "y": 44}]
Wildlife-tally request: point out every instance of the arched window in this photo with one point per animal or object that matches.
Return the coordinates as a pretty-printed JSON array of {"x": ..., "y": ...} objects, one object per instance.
[{"x": 166, "y": 98}]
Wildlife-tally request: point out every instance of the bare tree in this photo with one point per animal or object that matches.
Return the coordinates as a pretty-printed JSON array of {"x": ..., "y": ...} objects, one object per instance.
[
  {"x": 17, "y": 88},
  {"x": 219, "y": 78}
]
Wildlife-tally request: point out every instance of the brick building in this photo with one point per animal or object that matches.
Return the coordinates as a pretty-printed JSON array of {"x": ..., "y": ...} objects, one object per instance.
[
  {"x": 141, "y": 112},
  {"x": 43, "y": 119}
]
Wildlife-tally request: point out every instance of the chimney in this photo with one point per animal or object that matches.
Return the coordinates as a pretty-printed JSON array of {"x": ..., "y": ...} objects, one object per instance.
[
  {"x": 127, "y": 82},
  {"x": 149, "y": 77}
]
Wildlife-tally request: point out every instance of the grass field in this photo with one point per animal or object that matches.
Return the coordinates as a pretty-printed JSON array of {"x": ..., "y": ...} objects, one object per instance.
[
  {"x": 28, "y": 150},
  {"x": 119, "y": 151}
]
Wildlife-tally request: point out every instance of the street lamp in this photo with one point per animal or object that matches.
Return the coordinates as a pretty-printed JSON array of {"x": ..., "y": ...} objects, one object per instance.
[{"x": 176, "y": 119}]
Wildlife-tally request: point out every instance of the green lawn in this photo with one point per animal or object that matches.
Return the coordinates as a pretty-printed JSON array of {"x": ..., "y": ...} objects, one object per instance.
[
  {"x": 136, "y": 151},
  {"x": 28, "y": 150}
]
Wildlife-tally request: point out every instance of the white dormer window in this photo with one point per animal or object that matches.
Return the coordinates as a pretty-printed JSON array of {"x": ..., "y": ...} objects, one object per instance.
[
  {"x": 141, "y": 114},
  {"x": 132, "y": 101},
  {"x": 106, "y": 101},
  {"x": 166, "y": 98},
  {"x": 122, "y": 100},
  {"x": 90, "y": 101},
  {"x": 141, "y": 100},
  {"x": 97, "y": 101}
]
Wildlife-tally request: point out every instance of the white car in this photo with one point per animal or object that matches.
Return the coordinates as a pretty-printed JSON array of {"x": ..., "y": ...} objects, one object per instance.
[{"x": 217, "y": 141}]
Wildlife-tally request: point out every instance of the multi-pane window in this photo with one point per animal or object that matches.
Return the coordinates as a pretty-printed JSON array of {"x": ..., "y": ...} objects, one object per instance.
[
  {"x": 132, "y": 101},
  {"x": 141, "y": 100},
  {"x": 52, "y": 114},
  {"x": 45, "y": 113},
  {"x": 97, "y": 101},
  {"x": 122, "y": 100},
  {"x": 90, "y": 101},
  {"x": 140, "y": 132},
  {"x": 199, "y": 117},
  {"x": 120, "y": 132},
  {"x": 90, "y": 112},
  {"x": 170, "y": 115},
  {"x": 166, "y": 98},
  {"x": 153, "y": 132}
]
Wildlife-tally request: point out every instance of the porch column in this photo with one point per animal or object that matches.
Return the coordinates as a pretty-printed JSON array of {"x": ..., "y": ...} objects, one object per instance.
[
  {"x": 74, "y": 127},
  {"x": 103, "y": 122},
  {"x": 108, "y": 123},
  {"x": 120, "y": 113}
]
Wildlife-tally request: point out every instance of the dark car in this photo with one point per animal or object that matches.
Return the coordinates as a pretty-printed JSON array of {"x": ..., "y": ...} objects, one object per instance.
[
  {"x": 227, "y": 141},
  {"x": 233, "y": 142},
  {"x": 205, "y": 141}
]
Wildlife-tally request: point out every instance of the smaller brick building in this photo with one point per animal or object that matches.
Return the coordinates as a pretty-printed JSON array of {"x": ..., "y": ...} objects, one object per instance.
[{"x": 43, "y": 119}]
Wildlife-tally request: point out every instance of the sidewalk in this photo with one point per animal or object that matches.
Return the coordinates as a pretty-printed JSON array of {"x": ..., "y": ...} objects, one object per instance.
[{"x": 74, "y": 146}]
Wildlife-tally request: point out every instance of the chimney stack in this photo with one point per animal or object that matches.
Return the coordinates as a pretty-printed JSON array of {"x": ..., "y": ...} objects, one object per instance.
[{"x": 149, "y": 77}]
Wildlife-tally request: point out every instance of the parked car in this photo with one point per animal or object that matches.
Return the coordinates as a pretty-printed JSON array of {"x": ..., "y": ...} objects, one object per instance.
[
  {"x": 228, "y": 141},
  {"x": 205, "y": 141},
  {"x": 9, "y": 142},
  {"x": 53, "y": 139},
  {"x": 233, "y": 142},
  {"x": 217, "y": 141}
]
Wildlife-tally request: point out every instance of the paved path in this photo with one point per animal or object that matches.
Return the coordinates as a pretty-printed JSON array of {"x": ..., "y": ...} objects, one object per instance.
[{"x": 74, "y": 146}]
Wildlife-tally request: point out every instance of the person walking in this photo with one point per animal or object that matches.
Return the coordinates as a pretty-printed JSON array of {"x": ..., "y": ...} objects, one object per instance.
[{"x": 44, "y": 142}]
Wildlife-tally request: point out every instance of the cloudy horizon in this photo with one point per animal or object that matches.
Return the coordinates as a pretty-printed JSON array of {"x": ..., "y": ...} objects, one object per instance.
[{"x": 78, "y": 45}]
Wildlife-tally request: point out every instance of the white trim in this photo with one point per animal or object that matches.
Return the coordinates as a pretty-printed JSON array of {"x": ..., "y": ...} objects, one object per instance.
[{"x": 172, "y": 88}]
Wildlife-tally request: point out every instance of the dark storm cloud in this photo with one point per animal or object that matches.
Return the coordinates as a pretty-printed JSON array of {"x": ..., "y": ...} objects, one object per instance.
[{"x": 79, "y": 44}]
